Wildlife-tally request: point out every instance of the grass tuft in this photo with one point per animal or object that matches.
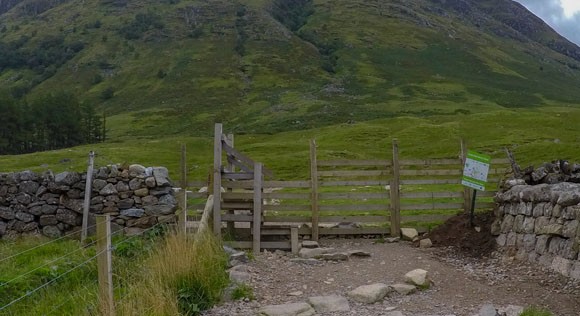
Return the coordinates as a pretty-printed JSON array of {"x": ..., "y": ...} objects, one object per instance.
[
  {"x": 182, "y": 278},
  {"x": 536, "y": 311}
]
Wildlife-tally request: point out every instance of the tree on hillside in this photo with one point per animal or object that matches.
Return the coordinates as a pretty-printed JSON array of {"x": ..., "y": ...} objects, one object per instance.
[{"x": 9, "y": 123}]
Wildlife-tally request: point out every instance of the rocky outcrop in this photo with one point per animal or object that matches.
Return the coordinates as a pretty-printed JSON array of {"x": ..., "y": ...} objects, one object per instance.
[{"x": 52, "y": 205}]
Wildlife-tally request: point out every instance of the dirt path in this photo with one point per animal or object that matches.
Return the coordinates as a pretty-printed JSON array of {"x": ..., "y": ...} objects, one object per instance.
[{"x": 462, "y": 284}]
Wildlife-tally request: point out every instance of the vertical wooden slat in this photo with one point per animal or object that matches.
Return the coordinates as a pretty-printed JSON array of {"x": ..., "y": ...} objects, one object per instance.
[
  {"x": 466, "y": 190},
  {"x": 314, "y": 187},
  {"x": 294, "y": 239},
  {"x": 395, "y": 194},
  {"x": 257, "y": 222},
  {"x": 217, "y": 180},
  {"x": 231, "y": 229},
  {"x": 104, "y": 264},
  {"x": 87, "y": 201}
]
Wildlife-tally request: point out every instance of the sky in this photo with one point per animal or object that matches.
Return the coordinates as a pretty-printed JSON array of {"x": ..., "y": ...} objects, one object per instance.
[{"x": 562, "y": 15}]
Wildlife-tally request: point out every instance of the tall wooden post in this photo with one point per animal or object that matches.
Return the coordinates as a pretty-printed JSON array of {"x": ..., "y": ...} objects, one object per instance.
[
  {"x": 257, "y": 219},
  {"x": 217, "y": 180},
  {"x": 395, "y": 193},
  {"x": 231, "y": 226},
  {"x": 466, "y": 191},
  {"x": 314, "y": 187},
  {"x": 87, "y": 201},
  {"x": 183, "y": 191},
  {"x": 105, "y": 264}
]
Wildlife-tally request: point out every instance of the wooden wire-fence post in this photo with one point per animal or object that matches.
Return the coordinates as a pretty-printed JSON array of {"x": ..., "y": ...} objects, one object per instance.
[
  {"x": 217, "y": 180},
  {"x": 314, "y": 189},
  {"x": 105, "y": 264},
  {"x": 231, "y": 226},
  {"x": 87, "y": 201},
  {"x": 466, "y": 191},
  {"x": 257, "y": 214},
  {"x": 182, "y": 196},
  {"x": 395, "y": 194}
]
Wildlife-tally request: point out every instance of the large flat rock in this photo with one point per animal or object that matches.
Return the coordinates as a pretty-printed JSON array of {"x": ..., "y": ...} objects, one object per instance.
[
  {"x": 331, "y": 303},
  {"x": 292, "y": 309},
  {"x": 370, "y": 293}
]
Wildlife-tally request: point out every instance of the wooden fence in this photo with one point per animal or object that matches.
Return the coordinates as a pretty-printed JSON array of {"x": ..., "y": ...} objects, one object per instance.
[{"x": 342, "y": 197}]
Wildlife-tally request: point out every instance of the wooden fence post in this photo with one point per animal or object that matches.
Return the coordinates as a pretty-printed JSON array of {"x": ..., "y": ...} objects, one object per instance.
[
  {"x": 104, "y": 262},
  {"x": 87, "y": 201},
  {"x": 466, "y": 190},
  {"x": 231, "y": 226},
  {"x": 183, "y": 192},
  {"x": 395, "y": 194},
  {"x": 257, "y": 220},
  {"x": 314, "y": 187},
  {"x": 217, "y": 180}
]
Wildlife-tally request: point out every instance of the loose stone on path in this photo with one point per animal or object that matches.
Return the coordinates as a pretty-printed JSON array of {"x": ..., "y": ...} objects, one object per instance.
[
  {"x": 292, "y": 309},
  {"x": 332, "y": 303},
  {"x": 370, "y": 293}
]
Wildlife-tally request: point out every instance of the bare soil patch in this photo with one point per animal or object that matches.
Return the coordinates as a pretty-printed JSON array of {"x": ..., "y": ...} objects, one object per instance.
[
  {"x": 458, "y": 233},
  {"x": 461, "y": 283}
]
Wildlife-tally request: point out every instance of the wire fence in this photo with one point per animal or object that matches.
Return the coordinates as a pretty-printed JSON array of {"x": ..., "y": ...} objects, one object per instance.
[{"x": 104, "y": 249}]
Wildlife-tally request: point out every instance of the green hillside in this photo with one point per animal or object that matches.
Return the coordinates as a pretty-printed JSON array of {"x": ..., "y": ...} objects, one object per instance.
[{"x": 264, "y": 66}]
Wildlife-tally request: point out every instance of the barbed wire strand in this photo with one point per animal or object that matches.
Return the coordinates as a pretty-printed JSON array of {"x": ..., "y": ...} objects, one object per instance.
[
  {"x": 59, "y": 258},
  {"x": 51, "y": 281},
  {"x": 49, "y": 262},
  {"x": 42, "y": 245},
  {"x": 57, "y": 307}
]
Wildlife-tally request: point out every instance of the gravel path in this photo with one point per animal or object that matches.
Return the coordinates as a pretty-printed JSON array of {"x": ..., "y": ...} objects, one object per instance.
[{"x": 461, "y": 284}]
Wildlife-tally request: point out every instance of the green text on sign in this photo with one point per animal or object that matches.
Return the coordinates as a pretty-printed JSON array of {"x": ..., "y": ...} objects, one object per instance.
[{"x": 475, "y": 170}]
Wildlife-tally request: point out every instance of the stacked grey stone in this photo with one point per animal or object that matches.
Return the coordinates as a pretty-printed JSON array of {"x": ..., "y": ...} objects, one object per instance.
[
  {"x": 136, "y": 197},
  {"x": 542, "y": 223}
]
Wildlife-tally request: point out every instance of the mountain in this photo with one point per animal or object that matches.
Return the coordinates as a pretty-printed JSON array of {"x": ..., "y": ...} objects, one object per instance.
[{"x": 176, "y": 66}]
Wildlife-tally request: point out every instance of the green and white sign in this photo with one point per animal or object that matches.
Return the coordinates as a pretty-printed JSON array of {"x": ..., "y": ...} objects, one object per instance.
[{"x": 475, "y": 170}]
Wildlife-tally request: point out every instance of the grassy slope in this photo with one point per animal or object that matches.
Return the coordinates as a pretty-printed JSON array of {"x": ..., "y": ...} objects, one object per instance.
[
  {"x": 534, "y": 135},
  {"x": 391, "y": 60}
]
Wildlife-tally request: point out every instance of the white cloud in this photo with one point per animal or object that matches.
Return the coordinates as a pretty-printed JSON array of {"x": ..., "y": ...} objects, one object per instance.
[{"x": 571, "y": 7}]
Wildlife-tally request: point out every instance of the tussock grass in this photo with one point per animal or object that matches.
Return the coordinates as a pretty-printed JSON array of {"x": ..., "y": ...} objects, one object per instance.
[
  {"x": 181, "y": 277},
  {"x": 535, "y": 311}
]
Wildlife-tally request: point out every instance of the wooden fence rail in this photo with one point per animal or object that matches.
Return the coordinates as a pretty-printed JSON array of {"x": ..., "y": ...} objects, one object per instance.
[{"x": 371, "y": 196}]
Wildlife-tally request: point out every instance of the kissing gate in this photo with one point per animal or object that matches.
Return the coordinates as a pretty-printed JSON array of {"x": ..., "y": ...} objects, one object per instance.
[{"x": 342, "y": 197}]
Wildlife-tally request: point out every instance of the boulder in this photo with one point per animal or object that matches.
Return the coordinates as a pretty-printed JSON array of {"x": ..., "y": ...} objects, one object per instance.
[
  {"x": 409, "y": 234},
  {"x": 370, "y": 294},
  {"x": 108, "y": 189},
  {"x": 67, "y": 178},
  {"x": 488, "y": 310},
  {"x": 552, "y": 229},
  {"x": 404, "y": 289},
  {"x": 328, "y": 304},
  {"x": 511, "y": 310},
  {"x": 136, "y": 170},
  {"x": 51, "y": 231},
  {"x": 314, "y": 252},
  {"x": 161, "y": 175},
  {"x": 425, "y": 243},
  {"x": 418, "y": 277},
  {"x": 292, "y": 309},
  {"x": 133, "y": 212}
]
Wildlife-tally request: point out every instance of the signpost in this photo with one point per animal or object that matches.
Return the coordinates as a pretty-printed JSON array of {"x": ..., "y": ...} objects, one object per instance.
[{"x": 475, "y": 175}]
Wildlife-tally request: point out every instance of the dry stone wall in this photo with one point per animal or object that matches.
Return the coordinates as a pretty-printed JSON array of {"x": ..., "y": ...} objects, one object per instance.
[
  {"x": 136, "y": 197},
  {"x": 541, "y": 223}
]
